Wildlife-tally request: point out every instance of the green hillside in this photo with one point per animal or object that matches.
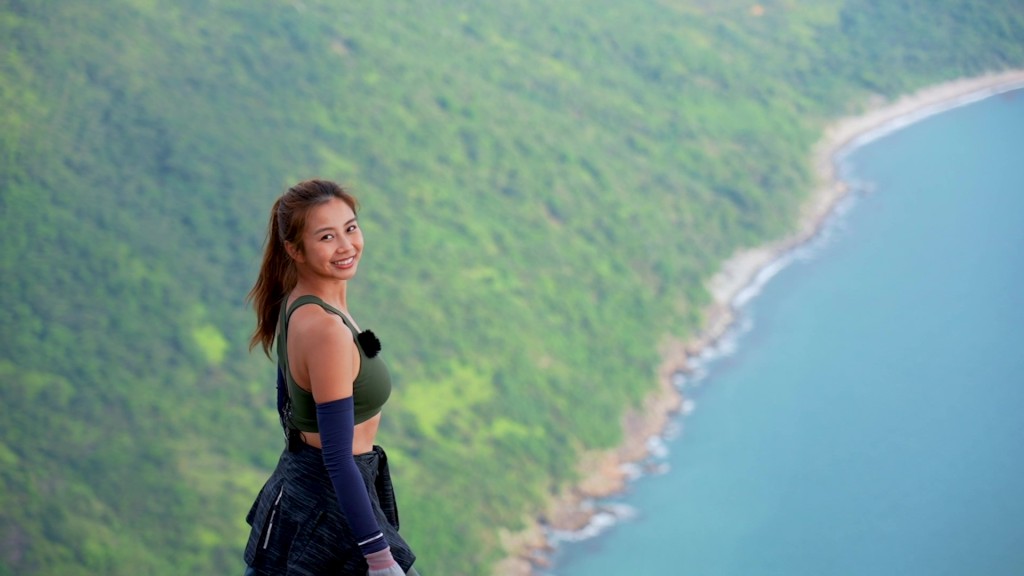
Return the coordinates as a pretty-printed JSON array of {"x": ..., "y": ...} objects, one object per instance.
[{"x": 546, "y": 187}]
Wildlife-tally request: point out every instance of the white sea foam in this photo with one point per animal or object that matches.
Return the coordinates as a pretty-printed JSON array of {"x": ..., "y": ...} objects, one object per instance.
[
  {"x": 698, "y": 372},
  {"x": 656, "y": 447},
  {"x": 679, "y": 380},
  {"x": 659, "y": 468},
  {"x": 763, "y": 276},
  {"x": 675, "y": 426},
  {"x": 607, "y": 515},
  {"x": 631, "y": 470},
  {"x": 726, "y": 345}
]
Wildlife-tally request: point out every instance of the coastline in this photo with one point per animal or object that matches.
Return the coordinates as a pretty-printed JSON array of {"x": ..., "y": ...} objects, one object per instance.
[
  {"x": 604, "y": 473},
  {"x": 742, "y": 269}
]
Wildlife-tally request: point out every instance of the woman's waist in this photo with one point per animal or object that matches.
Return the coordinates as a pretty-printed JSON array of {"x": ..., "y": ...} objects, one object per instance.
[
  {"x": 364, "y": 435},
  {"x": 303, "y": 464},
  {"x": 359, "y": 446}
]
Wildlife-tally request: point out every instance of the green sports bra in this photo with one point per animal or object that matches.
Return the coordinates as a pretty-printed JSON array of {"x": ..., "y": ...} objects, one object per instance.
[{"x": 370, "y": 390}]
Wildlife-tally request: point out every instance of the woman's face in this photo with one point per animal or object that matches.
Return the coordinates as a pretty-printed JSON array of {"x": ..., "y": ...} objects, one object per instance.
[{"x": 332, "y": 242}]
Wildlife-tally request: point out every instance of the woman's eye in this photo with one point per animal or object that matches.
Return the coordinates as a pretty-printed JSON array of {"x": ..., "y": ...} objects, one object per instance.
[
  {"x": 351, "y": 228},
  {"x": 328, "y": 237}
]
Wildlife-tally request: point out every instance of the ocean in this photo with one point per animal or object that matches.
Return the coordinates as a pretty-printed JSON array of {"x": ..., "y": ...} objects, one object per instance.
[{"x": 866, "y": 416}]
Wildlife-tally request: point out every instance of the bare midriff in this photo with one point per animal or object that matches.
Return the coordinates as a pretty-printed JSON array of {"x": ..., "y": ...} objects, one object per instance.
[{"x": 363, "y": 436}]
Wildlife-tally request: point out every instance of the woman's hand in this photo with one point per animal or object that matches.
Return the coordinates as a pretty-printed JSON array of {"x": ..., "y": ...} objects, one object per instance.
[{"x": 383, "y": 564}]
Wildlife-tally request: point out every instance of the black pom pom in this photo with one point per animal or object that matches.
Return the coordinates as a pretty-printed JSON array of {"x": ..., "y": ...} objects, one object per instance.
[{"x": 369, "y": 343}]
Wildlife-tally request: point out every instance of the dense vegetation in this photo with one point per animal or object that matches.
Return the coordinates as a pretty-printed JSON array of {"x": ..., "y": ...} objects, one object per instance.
[{"x": 546, "y": 187}]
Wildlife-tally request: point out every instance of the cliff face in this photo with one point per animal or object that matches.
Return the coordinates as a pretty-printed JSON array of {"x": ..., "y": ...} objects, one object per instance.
[{"x": 546, "y": 191}]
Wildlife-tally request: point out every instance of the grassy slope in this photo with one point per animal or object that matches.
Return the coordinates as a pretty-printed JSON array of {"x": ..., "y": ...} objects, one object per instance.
[{"x": 545, "y": 189}]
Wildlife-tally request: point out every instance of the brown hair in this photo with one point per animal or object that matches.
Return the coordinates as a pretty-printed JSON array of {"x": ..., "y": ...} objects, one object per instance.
[{"x": 277, "y": 274}]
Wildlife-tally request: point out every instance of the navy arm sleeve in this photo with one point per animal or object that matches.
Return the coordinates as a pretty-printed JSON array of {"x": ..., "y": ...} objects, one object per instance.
[
  {"x": 336, "y": 420},
  {"x": 282, "y": 400}
]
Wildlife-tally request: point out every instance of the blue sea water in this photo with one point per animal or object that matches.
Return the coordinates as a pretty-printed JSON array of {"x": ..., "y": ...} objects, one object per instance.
[{"x": 871, "y": 419}]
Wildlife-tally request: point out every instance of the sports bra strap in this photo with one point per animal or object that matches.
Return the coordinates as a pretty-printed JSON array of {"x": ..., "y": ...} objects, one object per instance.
[{"x": 310, "y": 299}]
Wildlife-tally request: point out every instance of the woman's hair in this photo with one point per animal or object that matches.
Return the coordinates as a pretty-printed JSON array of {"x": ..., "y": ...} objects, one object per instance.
[{"x": 277, "y": 272}]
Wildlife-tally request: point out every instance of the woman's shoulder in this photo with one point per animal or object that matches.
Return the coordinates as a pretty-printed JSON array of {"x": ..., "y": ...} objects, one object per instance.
[{"x": 316, "y": 323}]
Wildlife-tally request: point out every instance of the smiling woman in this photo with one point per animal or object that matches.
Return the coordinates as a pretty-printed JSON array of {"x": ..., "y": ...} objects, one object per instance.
[
  {"x": 333, "y": 242},
  {"x": 329, "y": 506}
]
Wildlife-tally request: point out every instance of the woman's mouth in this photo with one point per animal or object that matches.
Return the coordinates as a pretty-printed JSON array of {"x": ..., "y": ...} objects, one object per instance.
[{"x": 344, "y": 262}]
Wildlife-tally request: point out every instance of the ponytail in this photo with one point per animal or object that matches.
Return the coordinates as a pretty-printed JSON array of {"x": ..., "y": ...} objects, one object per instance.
[{"x": 275, "y": 280}]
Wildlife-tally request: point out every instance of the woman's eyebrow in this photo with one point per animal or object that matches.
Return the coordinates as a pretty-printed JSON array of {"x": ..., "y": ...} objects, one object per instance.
[{"x": 326, "y": 228}]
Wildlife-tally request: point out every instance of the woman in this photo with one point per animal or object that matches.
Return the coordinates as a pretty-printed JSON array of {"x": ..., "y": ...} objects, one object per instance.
[{"x": 328, "y": 508}]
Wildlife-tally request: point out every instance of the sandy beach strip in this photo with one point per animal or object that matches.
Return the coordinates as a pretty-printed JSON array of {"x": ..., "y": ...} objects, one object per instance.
[
  {"x": 742, "y": 268},
  {"x": 605, "y": 473}
]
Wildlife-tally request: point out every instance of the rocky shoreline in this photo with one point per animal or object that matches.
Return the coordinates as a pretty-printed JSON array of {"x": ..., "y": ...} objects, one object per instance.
[{"x": 605, "y": 473}]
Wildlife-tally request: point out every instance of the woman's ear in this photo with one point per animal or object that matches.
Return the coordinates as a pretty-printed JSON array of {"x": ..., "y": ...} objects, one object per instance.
[{"x": 294, "y": 252}]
